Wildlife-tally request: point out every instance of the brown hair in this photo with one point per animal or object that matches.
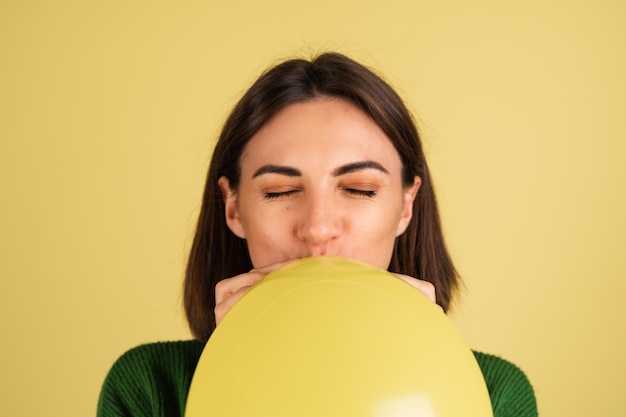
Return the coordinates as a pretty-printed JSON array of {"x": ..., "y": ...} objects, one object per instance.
[{"x": 216, "y": 253}]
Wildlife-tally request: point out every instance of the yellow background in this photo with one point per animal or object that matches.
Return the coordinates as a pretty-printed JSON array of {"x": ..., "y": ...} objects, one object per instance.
[{"x": 109, "y": 110}]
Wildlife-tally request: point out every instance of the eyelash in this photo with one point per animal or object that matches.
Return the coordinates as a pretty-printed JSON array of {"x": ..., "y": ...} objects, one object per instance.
[
  {"x": 282, "y": 194},
  {"x": 361, "y": 193},
  {"x": 353, "y": 191}
]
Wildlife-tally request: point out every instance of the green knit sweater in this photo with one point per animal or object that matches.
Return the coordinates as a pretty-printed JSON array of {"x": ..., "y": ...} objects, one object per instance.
[{"x": 152, "y": 381}]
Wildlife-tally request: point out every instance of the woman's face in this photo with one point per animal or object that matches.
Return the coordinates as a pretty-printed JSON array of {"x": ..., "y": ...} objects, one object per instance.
[{"x": 321, "y": 178}]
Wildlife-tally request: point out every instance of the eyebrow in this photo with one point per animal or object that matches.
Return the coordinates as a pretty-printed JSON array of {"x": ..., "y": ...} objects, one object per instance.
[
  {"x": 277, "y": 169},
  {"x": 358, "y": 166},
  {"x": 342, "y": 170}
]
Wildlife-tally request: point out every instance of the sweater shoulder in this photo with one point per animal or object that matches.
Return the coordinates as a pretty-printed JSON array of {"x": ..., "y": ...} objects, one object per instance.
[
  {"x": 150, "y": 380},
  {"x": 511, "y": 392},
  {"x": 161, "y": 354}
]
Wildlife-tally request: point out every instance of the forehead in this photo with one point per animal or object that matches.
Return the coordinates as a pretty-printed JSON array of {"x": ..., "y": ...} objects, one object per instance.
[{"x": 331, "y": 130}]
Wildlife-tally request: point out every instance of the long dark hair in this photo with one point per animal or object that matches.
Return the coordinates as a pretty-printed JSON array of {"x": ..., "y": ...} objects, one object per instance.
[{"x": 216, "y": 253}]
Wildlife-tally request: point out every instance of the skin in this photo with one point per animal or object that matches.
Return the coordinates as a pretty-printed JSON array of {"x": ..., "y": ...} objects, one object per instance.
[{"x": 320, "y": 178}]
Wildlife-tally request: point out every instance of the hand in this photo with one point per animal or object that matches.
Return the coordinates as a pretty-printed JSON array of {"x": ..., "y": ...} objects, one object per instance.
[
  {"x": 425, "y": 287},
  {"x": 230, "y": 290}
]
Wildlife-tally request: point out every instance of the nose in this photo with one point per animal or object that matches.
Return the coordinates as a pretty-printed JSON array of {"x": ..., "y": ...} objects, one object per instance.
[{"x": 320, "y": 225}]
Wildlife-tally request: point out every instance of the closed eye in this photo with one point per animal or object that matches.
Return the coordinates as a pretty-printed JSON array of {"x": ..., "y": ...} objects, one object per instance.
[
  {"x": 280, "y": 194},
  {"x": 361, "y": 193}
]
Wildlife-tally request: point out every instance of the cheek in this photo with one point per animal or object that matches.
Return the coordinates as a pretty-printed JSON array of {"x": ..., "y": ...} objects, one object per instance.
[
  {"x": 268, "y": 237},
  {"x": 373, "y": 236},
  {"x": 385, "y": 219}
]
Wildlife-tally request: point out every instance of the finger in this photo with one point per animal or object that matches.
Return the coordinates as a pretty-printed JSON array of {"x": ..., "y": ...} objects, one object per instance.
[
  {"x": 224, "y": 307},
  {"x": 229, "y": 290},
  {"x": 228, "y": 286},
  {"x": 425, "y": 287}
]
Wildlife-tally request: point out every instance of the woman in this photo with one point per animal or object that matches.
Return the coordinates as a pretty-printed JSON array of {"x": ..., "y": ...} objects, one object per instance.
[{"x": 317, "y": 158}]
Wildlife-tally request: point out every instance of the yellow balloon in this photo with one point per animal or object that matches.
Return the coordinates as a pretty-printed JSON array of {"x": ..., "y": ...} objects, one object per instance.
[{"x": 326, "y": 337}]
